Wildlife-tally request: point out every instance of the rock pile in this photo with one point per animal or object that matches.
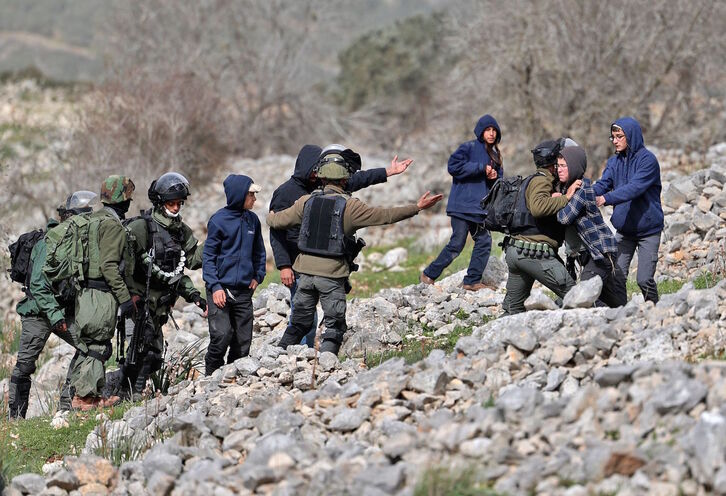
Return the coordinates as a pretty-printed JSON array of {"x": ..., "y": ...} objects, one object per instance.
[{"x": 581, "y": 401}]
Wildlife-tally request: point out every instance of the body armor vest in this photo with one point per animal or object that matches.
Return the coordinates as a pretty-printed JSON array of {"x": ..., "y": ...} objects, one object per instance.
[
  {"x": 321, "y": 230},
  {"x": 169, "y": 257},
  {"x": 528, "y": 224}
]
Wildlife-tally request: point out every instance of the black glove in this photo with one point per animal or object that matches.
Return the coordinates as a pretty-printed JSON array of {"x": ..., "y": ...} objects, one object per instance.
[
  {"x": 59, "y": 326},
  {"x": 200, "y": 302},
  {"x": 128, "y": 308}
]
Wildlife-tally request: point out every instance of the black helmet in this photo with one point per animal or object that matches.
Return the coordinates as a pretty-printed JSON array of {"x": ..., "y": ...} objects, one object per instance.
[
  {"x": 170, "y": 186},
  {"x": 546, "y": 153}
]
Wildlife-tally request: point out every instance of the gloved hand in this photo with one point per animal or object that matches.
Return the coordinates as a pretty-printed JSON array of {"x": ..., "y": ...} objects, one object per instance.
[
  {"x": 59, "y": 326},
  {"x": 128, "y": 308},
  {"x": 200, "y": 302}
]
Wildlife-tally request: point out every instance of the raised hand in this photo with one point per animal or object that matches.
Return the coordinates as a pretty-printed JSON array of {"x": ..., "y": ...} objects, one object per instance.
[{"x": 397, "y": 167}]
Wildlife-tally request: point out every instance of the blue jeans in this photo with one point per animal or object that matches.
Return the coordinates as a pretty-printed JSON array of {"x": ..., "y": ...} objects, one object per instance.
[
  {"x": 309, "y": 338},
  {"x": 479, "y": 256}
]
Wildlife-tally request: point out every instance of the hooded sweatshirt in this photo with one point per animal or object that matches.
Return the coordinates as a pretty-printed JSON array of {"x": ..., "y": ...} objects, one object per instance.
[
  {"x": 631, "y": 183},
  {"x": 234, "y": 252},
  {"x": 467, "y": 166},
  {"x": 284, "y": 241},
  {"x": 582, "y": 213}
]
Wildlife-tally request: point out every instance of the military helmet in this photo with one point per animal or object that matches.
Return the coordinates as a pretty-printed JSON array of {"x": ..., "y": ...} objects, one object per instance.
[
  {"x": 333, "y": 166},
  {"x": 546, "y": 153},
  {"x": 117, "y": 189},
  {"x": 170, "y": 186},
  {"x": 81, "y": 201}
]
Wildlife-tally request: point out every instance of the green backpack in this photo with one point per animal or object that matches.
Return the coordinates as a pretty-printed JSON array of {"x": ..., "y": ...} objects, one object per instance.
[{"x": 68, "y": 250}]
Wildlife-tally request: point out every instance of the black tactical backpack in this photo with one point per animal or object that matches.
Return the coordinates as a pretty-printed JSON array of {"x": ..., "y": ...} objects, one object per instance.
[
  {"x": 20, "y": 266},
  {"x": 505, "y": 206}
]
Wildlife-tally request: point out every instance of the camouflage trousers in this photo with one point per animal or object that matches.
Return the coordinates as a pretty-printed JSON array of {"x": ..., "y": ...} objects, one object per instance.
[
  {"x": 33, "y": 337},
  {"x": 96, "y": 324}
]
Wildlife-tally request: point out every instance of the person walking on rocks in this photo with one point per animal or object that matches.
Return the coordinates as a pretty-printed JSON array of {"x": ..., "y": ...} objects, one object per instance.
[
  {"x": 329, "y": 218},
  {"x": 159, "y": 233},
  {"x": 531, "y": 254},
  {"x": 302, "y": 182},
  {"x": 233, "y": 266},
  {"x": 631, "y": 183},
  {"x": 600, "y": 253},
  {"x": 474, "y": 167},
  {"x": 103, "y": 293},
  {"x": 46, "y": 309}
]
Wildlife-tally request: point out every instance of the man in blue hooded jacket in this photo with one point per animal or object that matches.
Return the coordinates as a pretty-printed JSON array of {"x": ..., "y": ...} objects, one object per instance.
[
  {"x": 474, "y": 167},
  {"x": 631, "y": 183},
  {"x": 233, "y": 265}
]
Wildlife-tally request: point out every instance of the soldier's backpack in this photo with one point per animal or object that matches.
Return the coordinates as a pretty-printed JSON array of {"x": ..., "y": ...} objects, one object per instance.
[
  {"x": 505, "y": 206},
  {"x": 68, "y": 249},
  {"x": 20, "y": 266}
]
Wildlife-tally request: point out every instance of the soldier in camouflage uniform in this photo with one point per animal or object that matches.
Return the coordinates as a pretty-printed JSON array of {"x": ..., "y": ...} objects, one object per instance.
[
  {"x": 174, "y": 249},
  {"x": 103, "y": 293},
  {"x": 46, "y": 309}
]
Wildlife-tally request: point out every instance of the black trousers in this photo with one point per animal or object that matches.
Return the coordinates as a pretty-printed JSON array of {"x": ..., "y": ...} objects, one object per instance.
[
  {"x": 230, "y": 328},
  {"x": 613, "y": 292}
]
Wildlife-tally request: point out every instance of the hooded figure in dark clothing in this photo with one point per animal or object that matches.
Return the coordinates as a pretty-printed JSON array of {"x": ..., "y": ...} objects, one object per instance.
[
  {"x": 233, "y": 265},
  {"x": 474, "y": 167},
  {"x": 302, "y": 182},
  {"x": 590, "y": 240}
]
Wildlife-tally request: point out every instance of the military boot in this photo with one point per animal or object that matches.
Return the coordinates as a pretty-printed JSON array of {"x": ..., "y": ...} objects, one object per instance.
[{"x": 18, "y": 402}]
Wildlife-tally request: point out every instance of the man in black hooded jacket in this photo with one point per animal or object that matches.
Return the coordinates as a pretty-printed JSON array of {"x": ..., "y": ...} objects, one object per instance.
[{"x": 303, "y": 182}]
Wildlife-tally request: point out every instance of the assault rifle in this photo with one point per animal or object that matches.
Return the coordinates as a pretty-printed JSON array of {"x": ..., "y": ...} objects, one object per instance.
[{"x": 137, "y": 337}]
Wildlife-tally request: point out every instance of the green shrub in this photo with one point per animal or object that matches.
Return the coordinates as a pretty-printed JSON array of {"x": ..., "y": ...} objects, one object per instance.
[{"x": 444, "y": 481}]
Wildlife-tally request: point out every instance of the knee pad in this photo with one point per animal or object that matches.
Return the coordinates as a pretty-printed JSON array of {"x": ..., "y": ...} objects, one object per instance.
[
  {"x": 25, "y": 368},
  {"x": 153, "y": 361},
  {"x": 22, "y": 384}
]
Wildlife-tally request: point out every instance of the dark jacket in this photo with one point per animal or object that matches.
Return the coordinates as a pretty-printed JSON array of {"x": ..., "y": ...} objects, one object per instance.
[
  {"x": 631, "y": 182},
  {"x": 234, "y": 252},
  {"x": 467, "y": 165},
  {"x": 284, "y": 241}
]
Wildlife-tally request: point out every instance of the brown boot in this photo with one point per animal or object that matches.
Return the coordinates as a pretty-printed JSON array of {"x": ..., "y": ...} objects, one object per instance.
[
  {"x": 85, "y": 403},
  {"x": 110, "y": 401},
  {"x": 425, "y": 279},
  {"x": 474, "y": 287}
]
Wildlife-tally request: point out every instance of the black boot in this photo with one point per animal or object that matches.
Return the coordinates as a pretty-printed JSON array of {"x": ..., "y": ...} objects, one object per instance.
[{"x": 18, "y": 405}]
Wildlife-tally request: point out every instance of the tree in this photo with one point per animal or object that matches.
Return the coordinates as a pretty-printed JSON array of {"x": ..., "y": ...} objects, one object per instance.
[{"x": 571, "y": 67}]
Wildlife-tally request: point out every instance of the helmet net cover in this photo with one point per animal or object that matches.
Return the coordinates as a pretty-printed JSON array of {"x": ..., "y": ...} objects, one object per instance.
[
  {"x": 170, "y": 186},
  {"x": 81, "y": 200}
]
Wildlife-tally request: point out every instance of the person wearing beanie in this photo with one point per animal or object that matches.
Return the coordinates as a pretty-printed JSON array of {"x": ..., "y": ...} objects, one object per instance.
[
  {"x": 631, "y": 183},
  {"x": 474, "y": 167},
  {"x": 599, "y": 254},
  {"x": 531, "y": 253}
]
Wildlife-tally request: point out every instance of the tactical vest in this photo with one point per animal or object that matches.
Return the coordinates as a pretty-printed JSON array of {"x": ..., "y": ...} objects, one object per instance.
[
  {"x": 321, "y": 230},
  {"x": 528, "y": 224},
  {"x": 169, "y": 256}
]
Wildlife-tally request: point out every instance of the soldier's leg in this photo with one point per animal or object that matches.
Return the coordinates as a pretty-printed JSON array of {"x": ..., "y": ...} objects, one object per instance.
[
  {"x": 33, "y": 336},
  {"x": 96, "y": 321},
  {"x": 220, "y": 334},
  {"x": 519, "y": 284},
  {"x": 613, "y": 292},
  {"x": 151, "y": 357},
  {"x": 332, "y": 299},
  {"x": 480, "y": 253},
  {"x": 242, "y": 320},
  {"x": 551, "y": 273},
  {"x": 71, "y": 337},
  {"x": 460, "y": 231},
  {"x": 647, "y": 261},
  {"x": 68, "y": 392},
  {"x": 306, "y": 299}
]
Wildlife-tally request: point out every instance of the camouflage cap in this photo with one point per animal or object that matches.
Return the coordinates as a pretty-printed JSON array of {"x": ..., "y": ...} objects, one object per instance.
[{"x": 116, "y": 189}]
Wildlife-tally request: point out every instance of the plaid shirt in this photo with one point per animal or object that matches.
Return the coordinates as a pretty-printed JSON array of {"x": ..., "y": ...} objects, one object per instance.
[{"x": 582, "y": 210}]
